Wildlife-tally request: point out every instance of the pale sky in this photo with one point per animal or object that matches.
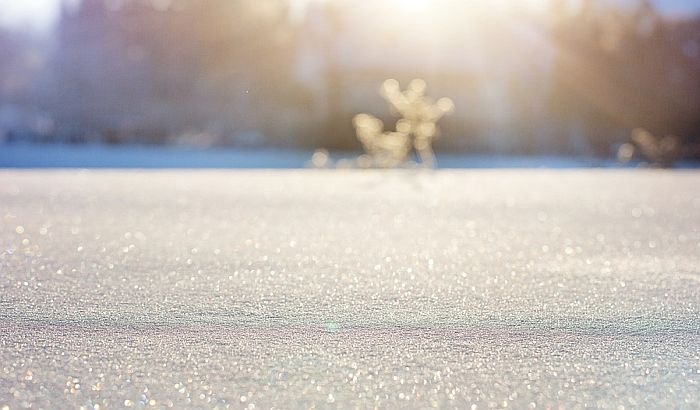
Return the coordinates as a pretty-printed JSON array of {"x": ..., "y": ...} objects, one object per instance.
[
  {"x": 28, "y": 13},
  {"x": 41, "y": 13}
]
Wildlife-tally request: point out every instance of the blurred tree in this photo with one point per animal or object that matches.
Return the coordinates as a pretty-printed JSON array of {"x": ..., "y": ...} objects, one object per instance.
[
  {"x": 22, "y": 58},
  {"x": 578, "y": 102},
  {"x": 11, "y": 51}
]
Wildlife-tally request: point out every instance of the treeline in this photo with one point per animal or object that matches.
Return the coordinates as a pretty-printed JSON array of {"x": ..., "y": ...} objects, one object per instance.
[
  {"x": 617, "y": 70},
  {"x": 149, "y": 71},
  {"x": 228, "y": 72}
]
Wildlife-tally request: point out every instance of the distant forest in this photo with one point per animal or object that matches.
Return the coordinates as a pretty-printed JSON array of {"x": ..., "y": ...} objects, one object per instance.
[{"x": 227, "y": 72}]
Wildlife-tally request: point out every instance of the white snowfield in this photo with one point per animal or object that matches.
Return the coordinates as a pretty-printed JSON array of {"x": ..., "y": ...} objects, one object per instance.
[{"x": 351, "y": 289}]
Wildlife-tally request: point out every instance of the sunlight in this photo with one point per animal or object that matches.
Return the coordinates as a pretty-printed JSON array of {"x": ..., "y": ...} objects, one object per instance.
[
  {"x": 423, "y": 6},
  {"x": 32, "y": 13},
  {"x": 419, "y": 6},
  {"x": 413, "y": 6}
]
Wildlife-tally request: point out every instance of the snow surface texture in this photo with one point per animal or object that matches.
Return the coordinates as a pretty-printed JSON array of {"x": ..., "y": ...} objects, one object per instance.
[{"x": 287, "y": 289}]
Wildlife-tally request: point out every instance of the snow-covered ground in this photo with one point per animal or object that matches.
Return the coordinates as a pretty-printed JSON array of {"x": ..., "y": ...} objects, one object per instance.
[{"x": 455, "y": 289}]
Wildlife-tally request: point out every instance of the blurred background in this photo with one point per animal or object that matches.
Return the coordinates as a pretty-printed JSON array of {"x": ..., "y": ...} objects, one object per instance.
[{"x": 529, "y": 79}]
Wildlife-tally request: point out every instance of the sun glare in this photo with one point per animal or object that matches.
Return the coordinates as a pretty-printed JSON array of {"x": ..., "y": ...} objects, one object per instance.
[
  {"x": 420, "y": 6},
  {"x": 412, "y": 5},
  {"x": 33, "y": 13},
  {"x": 425, "y": 5}
]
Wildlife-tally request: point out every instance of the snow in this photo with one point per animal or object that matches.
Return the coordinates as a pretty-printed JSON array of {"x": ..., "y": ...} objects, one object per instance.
[{"x": 301, "y": 288}]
